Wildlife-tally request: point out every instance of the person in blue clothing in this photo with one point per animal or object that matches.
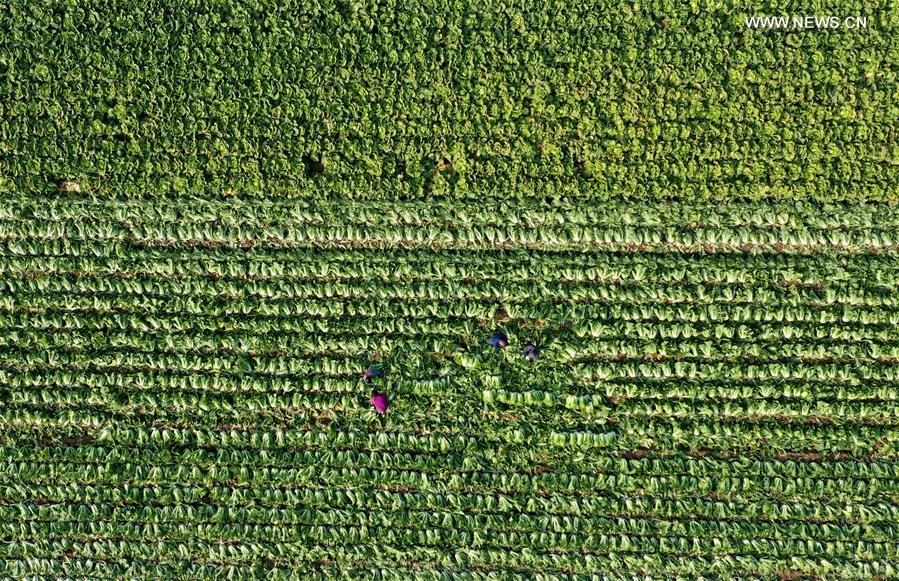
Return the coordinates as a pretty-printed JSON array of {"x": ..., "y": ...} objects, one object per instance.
[
  {"x": 372, "y": 373},
  {"x": 499, "y": 340}
]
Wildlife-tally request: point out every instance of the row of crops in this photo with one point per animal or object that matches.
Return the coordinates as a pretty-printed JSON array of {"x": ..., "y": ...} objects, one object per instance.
[{"x": 182, "y": 390}]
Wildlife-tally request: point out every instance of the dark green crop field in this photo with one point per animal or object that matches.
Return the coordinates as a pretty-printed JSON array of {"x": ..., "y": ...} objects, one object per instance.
[
  {"x": 215, "y": 217},
  {"x": 356, "y": 99}
]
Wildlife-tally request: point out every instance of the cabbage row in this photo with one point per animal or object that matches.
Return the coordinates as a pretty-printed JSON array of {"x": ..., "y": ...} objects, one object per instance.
[{"x": 182, "y": 397}]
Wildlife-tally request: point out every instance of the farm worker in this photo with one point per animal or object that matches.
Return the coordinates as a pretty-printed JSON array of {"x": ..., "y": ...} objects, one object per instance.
[
  {"x": 379, "y": 400},
  {"x": 531, "y": 352},
  {"x": 499, "y": 340},
  {"x": 372, "y": 372}
]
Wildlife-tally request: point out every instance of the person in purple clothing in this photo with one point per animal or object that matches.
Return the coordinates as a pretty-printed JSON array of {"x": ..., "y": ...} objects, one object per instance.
[
  {"x": 380, "y": 401},
  {"x": 531, "y": 353},
  {"x": 499, "y": 340}
]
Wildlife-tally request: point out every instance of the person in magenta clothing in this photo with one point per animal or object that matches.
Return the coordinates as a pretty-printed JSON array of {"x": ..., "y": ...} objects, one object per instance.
[{"x": 380, "y": 402}]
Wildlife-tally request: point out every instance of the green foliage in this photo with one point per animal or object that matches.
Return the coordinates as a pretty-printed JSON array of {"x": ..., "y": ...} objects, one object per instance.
[
  {"x": 181, "y": 385},
  {"x": 445, "y": 99},
  {"x": 213, "y": 218}
]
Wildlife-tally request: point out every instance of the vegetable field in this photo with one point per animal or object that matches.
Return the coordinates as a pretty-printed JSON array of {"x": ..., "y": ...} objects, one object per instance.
[{"x": 214, "y": 219}]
